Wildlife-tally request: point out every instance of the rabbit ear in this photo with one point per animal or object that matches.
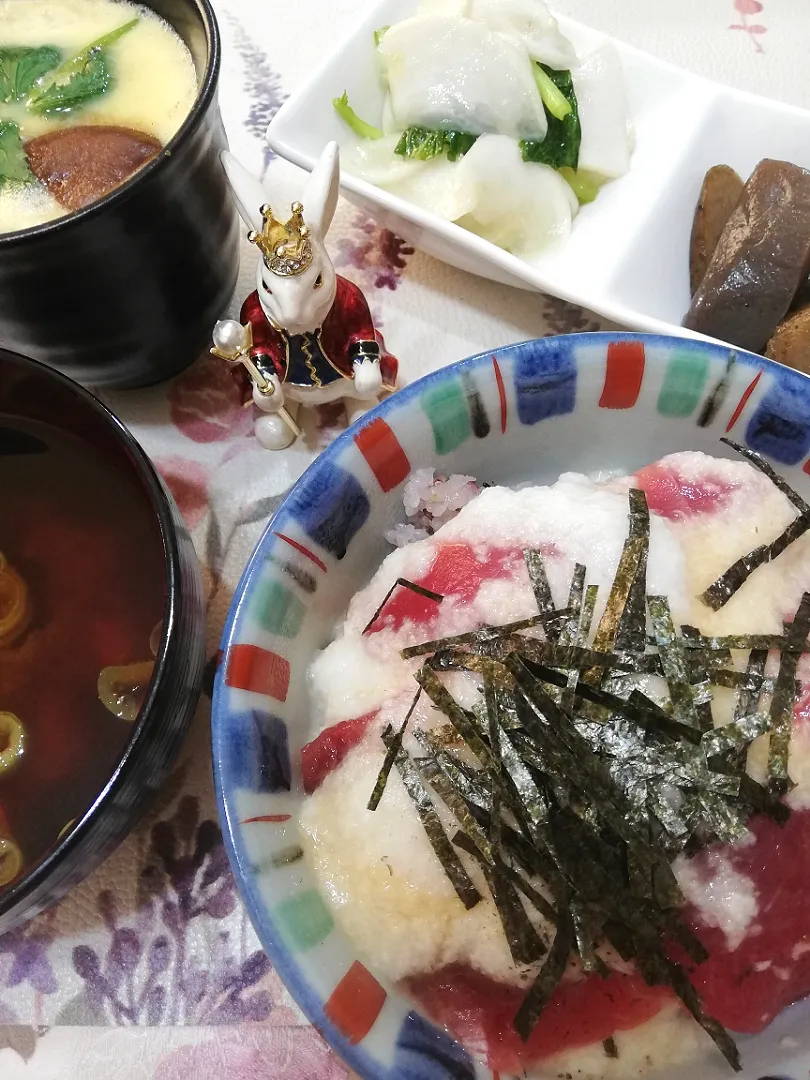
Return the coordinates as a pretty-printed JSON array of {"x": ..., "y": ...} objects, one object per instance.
[
  {"x": 248, "y": 192},
  {"x": 321, "y": 194}
]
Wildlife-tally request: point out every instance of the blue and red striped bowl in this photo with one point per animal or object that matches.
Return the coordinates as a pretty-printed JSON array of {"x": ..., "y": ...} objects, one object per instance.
[{"x": 583, "y": 402}]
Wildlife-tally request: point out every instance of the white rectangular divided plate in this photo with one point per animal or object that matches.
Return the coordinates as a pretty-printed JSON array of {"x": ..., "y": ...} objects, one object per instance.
[{"x": 628, "y": 254}]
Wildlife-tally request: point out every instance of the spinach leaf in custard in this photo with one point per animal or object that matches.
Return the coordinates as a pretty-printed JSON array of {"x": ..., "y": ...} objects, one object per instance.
[
  {"x": 13, "y": 162},
  {"x": 85, "y": 76},
  {"x": 21, "y": 66}
]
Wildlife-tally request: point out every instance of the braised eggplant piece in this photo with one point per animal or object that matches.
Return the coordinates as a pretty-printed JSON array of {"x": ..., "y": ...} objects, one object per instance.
[
  {"x": 790, "y": 345},
  {"x": 80, "y": 164},
  {"x": 721, "y": 192},
  {"x": 760, "y": 261}
]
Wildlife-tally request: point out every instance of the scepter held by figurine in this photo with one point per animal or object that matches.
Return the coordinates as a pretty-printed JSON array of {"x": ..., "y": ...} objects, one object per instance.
[{"x": 232, "y": 343}]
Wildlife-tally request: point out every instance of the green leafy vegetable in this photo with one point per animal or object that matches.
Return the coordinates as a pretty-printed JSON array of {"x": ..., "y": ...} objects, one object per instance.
[
  {"x": 13, "y": 162},
  {"x": 584, "y": 184},
  {"x": 380, "y": 34},
  {"x": 561, "y": 144},
  {"x": 20, "y": 67},
  {"x": 554, "y": 100},
  {"x": 423, "y": 143},
  {"x": 349, "y": 116},
  {"x": 82, "y": 77}
]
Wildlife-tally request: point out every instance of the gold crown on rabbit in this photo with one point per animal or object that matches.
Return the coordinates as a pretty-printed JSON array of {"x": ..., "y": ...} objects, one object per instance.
[{"x": 285, "y": 245}]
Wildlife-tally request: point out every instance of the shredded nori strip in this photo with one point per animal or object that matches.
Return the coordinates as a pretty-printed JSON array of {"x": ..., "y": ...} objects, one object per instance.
[
  {"x": 569, "y": 633},
  {"x": 783, "y": 700},
  {"x": 568, "y": 775},
  {"x": 390, "y": 754},
  {"x": 540, "y": 586},
  {"x": 462, "y": 721},
  {"x": 581, "y": 634},
  {"x": 525, "y": 944},
  {"x": 549, "y": 976},
  {"x": 748, "y": 699},
  {"x": 445, "y": 853},
  {"x": 681, "y": 690},
  {"x": 680, "y": 983},
  {"x": 720, "y": 591},
  {"x": 496, "y": 766},
  {"x": 632, "y": 565},
  {"x": 737, "y": 735},
  {"x": 760, "y": 463},
  {"x": 486, "y": 633},
  {"x": 432, "y": 772},
  {"x": 420, "y": 590},
  {"x": 632, "y": 630},
  {"x": 742, "y": 641}
]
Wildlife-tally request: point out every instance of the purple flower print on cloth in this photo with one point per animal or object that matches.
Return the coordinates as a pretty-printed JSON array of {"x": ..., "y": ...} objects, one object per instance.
[
  {"x": 261, "y": 84},
  {"x": 25, "y": 951},
  {"x": 167, "y": 964},
  {"x": 377, "y": 255}
]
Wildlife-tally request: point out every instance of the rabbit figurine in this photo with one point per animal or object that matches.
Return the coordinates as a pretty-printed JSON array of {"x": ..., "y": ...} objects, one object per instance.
[{"x": 305, "y": 336}]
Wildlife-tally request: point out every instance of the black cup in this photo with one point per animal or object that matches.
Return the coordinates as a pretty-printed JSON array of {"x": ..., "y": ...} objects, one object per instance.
[
  {"x": 31, "y": 391},
  {"x": 126, "y": 292}
]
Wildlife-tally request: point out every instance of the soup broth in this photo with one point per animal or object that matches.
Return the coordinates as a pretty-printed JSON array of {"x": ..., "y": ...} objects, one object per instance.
[
  {"x": 82, "y": 542},
  {"x": 137, "y": 87}
]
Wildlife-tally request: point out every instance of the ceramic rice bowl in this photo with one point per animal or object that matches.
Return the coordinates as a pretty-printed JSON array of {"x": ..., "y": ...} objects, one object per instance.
[{"x": 588, "y": 403}]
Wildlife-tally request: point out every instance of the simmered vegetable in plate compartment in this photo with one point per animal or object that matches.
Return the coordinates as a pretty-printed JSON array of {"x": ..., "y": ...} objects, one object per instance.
[{"x": 492, "y": 120}]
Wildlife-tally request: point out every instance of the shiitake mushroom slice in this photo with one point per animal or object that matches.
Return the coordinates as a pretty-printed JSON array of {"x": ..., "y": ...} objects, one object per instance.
[{"x": 81, "y": 164}]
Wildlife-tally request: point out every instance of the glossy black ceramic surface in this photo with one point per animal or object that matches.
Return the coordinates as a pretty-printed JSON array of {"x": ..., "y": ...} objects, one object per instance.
[
  {"x": 31, "y": 391},
  {"x": 126, "y": 292}
]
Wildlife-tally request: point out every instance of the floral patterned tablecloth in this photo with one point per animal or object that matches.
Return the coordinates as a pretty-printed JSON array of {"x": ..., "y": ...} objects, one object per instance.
[{"x": 150, "y": 970}]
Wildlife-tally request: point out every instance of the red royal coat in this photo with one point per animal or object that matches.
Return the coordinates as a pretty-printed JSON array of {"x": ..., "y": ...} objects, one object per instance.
[{"x": 322, "y": 356}]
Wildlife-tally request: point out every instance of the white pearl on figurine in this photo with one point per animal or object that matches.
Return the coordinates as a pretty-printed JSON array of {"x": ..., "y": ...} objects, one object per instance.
[
  {"x": 230, "y": 336},
  {"x": 272, "y": 433}
]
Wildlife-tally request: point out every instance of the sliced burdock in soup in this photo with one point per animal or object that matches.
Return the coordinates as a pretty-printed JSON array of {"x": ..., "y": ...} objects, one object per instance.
[
  {"x": 760, "y": 260},
  {"x": 81, "y": 164}
]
